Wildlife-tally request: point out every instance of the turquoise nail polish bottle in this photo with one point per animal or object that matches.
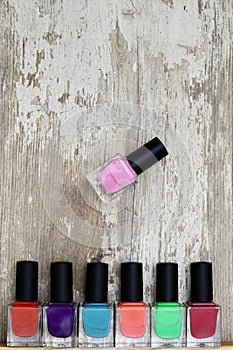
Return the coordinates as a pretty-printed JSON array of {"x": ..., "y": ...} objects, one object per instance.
[
  {"x": 96, "y": 319},
  {"x": 96, "y": 314}
]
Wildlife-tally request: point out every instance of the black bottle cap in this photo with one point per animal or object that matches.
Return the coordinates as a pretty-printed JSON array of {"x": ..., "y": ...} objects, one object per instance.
[
  {"x": 166, "y": 282},
  {"x": 61, "y": 282},
  {"x": 96, "y": 283},
  {"x": 131, "y": 282},
  {"x": 201, "y": 282},
  {"x": 26, "y": 281},
  {"x": 147, "y": 155}
]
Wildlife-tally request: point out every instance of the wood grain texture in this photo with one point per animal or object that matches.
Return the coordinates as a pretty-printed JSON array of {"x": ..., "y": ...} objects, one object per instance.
[
  {"x": 225, "y": 346},
  {"x": 83, "y": 80}
]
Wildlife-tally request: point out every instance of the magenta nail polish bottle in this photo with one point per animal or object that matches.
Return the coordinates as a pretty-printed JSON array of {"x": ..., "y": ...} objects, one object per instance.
[
  {"x": 60, "y": 314},
  {"x": 121, "y": 172},
  {"x": 203, "y": 314}
]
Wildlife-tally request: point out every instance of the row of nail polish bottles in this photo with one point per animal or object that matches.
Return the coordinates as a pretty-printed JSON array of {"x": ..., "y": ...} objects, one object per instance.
[{"x": 136, "y": 323}]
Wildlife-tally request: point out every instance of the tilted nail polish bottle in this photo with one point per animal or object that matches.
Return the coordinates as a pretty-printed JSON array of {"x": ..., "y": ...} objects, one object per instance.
[
  {"x": 60, "y": 314},
  {"x": 168, "y": 316},
  {"x": 132, "y": 314},
  {"x": 121, "y": 172},
  {"x": 203, "y": 315},
  {"x": 96, "y": 315},
  {"x": 25, "y": 314}
]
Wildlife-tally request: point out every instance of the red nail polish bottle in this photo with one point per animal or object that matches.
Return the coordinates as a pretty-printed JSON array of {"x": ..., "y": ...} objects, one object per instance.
[
  {"x": 203, "y": 315},
  {"x": 132, "y": 314},
  {"x": 24, "y": 315}
]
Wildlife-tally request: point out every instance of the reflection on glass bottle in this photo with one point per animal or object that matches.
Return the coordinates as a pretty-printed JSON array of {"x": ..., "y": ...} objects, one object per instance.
[
  {"x": 203, "y": 315},
  {"x": 121, "y": 172},
  {"x": 60, "y": 314},
  {"x": 24, "y": 315},
  {"x": 96, "y": 314},
  {"x": 168, "y": 321},
  {"x": 132, "y": 314}
]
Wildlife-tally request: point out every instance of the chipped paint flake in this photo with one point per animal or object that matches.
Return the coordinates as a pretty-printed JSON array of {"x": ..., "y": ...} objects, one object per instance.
[{"x": 51, "y": 37}]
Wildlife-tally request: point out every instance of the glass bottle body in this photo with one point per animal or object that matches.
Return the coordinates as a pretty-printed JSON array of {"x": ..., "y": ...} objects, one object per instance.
[
  {"x": 24, "y": 324},
  {"x": 132, "y": 324},
  {"x": 60, "y": 324},
  {"x": 203, "y": 324},
  {"x": 168, "y": 324},
  {"x": 112, "y": 178},
  {"x": 96, "y": 325}
]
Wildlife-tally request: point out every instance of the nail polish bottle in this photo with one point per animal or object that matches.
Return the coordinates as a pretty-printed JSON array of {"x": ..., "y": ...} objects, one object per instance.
[
  {"x": 121, "y": 172},
  {"x": 132, "y": 314},
  {"x": 60, "y": 314},
  {"x": 24, "y": 315},
  {"x": 168, "y": 316},
  {"x": 203, "y": 315},
  {"x": 96, "y": 314}
]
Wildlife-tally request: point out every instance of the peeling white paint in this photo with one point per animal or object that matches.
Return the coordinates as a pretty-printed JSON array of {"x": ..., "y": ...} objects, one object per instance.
[{"x": 78, "y": 48}]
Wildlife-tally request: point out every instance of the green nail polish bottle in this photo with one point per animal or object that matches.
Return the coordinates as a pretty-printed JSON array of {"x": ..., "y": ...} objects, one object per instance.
[{"x": 167, "y": 314}]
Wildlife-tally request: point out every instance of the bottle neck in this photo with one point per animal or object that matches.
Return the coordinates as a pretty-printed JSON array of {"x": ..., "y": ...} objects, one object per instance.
[
  {"x": 166, "y": 303},
  {"x": 26, "y": 303},
  {"x": 131, "y": 303},
  {"x": 95, "y": 304},
  {"x": 196, "y": 303},
  {"x": 141, "y": 159},
  {"x": 61, "y": 302}
]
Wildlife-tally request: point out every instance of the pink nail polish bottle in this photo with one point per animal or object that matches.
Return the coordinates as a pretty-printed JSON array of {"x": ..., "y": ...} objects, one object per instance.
[{"x": 121, "y": 172}]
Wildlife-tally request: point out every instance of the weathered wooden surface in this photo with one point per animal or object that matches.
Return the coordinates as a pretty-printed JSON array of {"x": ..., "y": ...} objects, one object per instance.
[{"x": 83, "y": 80}]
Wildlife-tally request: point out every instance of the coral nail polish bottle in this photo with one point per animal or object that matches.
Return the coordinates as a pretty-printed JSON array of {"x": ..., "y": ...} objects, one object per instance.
[
  {"x": 168, "y": 316},
  {"x": 132, "y": 314},
  {"x": 121, "y": 172},
  {"x": 203, "y": 315},
  {"x": 96, "y": 314},
  {"x": 60, "y": 314},
  {"x": 24, "y": 315}
]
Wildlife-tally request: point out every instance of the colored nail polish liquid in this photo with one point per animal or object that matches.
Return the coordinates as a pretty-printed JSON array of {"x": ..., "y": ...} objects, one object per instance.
[
  {"x": 60, "y": 314},
  {"x": 132, "y": 314},
  {"x": 24, "y": 315},
  {"x": 96, "y": 314},
  {"x": 168, "y": 316},
  {"x": 121, "y": 172},
  {"x": 203, "y": 315}
]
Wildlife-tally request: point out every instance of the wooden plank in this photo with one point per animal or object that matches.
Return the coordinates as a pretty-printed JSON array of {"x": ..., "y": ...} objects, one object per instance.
[
  {"x": 81, "y": 82},
  {"x": 227, "y": 346}
]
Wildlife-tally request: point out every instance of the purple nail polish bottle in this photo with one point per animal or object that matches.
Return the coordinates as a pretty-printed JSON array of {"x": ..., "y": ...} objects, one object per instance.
[{"x": 60, "y": 314}]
